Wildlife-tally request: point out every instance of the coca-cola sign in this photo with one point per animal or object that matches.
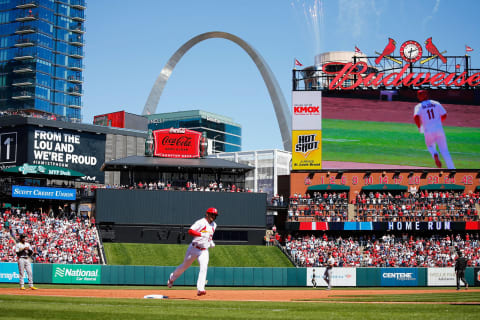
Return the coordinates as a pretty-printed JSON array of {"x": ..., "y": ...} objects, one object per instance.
[{"x": 177, "y": 143}]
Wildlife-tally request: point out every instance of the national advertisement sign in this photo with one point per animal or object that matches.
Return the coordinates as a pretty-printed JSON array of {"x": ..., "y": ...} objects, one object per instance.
[
  {"x": 9, "y": 272},
  {"x": 441, "y": 277},
  {"x": 176, "y": 143},
  {"x": 476, "y": 275},
  {"x": 83, "y": 274},
  {"x": 398, "y": 277}
]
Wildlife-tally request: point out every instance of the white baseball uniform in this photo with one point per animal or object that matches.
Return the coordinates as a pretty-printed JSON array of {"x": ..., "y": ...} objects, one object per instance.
[
  {"x": 24, "y": 263},
  {"x": 430, "y": 113},
  {"x": 198, "y": 249}
]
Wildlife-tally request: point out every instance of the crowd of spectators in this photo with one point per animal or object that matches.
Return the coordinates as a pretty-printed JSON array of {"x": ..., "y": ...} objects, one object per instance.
[
  {"x": 385, "y": 207},
  {"x": 327, "y": 207},
  {"x": 420, "y": 206},
  {"x": 386, "y": 251},
  {"x": 162, "y": 185},
  {"x": 55, "y": 239}
]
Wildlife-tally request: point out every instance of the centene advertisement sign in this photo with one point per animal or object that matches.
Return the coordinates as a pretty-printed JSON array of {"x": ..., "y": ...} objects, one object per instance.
[
  {"x": 395, "y": 277},
  {"x": 441, "y": 277},
  {"x": 76, "y": 273},
  {"x": 306, "y": 110},
  {"x": 177, "y": 143},
  {"x": 306, "y": 150},
  {"x": 43, "y": 193},
  {"x": 9, "y": 272},
  {"x": 341, "y": 277}
]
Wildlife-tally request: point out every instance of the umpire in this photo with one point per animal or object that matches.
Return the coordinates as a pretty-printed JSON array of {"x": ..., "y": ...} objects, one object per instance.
[{"x": 460, "y": 266}]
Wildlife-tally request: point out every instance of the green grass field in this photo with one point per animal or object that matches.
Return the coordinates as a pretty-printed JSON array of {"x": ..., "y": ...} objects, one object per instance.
[
  {"x": 172, "y": 255},
  {"x": 394, "y": 143},
  {"x": 42, "y": 307}
]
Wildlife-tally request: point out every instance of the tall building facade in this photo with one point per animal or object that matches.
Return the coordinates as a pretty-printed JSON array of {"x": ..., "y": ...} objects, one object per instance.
[
  {"x": 41, "y": 57},
  {"x": 224, "y": 134}
]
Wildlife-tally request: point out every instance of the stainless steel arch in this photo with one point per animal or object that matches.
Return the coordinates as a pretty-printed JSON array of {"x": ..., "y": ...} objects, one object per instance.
[{"x": 278, "y": 100}]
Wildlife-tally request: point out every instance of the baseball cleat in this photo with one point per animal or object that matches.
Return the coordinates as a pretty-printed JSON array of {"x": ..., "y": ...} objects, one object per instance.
[
  {"x": 437, "y": 161},
  {"x": 33, "y": 288},
  {"x": 169, "y": 283},
  {"x": 22, "y": 288},
  {"x": 201, "y": 293}
]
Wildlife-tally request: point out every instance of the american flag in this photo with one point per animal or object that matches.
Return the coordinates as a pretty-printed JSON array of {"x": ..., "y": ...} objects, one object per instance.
[
  {"x": 297, "y": 63},
  {"x": 357, "y": 50},
  {"x": 468, "y": 49}
]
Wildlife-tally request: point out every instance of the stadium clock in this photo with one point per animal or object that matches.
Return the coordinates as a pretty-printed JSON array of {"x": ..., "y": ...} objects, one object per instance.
[{"x": 411, "y": 51}]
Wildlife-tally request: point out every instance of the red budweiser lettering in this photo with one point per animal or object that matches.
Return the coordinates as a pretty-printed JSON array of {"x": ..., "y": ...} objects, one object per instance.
[
  {"x": 350, "y": 70},
  {"x": 300, "y": 110}
]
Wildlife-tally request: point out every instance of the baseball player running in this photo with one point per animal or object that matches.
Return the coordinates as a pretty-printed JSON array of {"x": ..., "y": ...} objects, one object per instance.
[
  {"x": 24, "y": 253},
  {"x": 428, "y": 117},
  {"x": 202, "y": 231}
]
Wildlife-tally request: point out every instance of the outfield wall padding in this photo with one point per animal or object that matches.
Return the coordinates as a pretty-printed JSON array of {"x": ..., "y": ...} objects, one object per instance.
[{"x": 223, "y": 276}]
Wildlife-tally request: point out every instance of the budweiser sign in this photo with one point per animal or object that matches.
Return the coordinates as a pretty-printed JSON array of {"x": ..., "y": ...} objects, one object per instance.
[
  {"x": 177, "y": 143},
  {"x": 355, "y": 75}
]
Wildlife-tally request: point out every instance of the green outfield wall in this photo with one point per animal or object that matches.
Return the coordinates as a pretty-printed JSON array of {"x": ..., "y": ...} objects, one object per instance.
[{"x": 243, "y": 277}]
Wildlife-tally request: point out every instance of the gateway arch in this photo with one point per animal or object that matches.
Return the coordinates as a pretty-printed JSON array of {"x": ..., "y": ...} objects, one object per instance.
[{"x": 278, "y": 100}]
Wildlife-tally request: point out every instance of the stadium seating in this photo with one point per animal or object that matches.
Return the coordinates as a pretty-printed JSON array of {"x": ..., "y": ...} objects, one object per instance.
[
  {"x": 386, "y": 251},
  {"x": 54, "y": 239}
]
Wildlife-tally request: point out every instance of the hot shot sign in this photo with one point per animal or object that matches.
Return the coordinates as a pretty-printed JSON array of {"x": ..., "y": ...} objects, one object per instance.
[{"x": 306, "y": 153}]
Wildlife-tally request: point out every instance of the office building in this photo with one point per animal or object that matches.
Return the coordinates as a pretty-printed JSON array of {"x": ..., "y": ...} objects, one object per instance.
[
  {"x": 223, "y": 134},
  {"x": 268, "y": 164},
  {"x": 41, "y": 57}
]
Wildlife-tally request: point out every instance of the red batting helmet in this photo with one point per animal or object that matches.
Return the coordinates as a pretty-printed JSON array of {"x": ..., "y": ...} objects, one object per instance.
[
  {"x": 422, "y": 95},
  {"x": 213, "y": 211}
]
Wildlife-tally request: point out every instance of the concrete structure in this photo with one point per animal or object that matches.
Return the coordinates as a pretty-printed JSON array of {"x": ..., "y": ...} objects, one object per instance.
[{"x": 269, "y": 164}]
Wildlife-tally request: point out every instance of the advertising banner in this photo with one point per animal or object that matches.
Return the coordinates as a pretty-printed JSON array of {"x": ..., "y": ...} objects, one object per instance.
[
  {"x": 9, "y": 272},
  {"x": 398, "y": 277},
  {"x": 306, "y": 110},
  {"x": 83, "y": 274},
  {"x": 341, "y": 277},
  {"x": 177, "y": 143},
  {"x": 80, "y": 151},
  {"x": 476, "y": 275},
  {"x": 441, "y": 277},
  {"x": 307, "y": 150},
  {"x": 43, "y": 193}
]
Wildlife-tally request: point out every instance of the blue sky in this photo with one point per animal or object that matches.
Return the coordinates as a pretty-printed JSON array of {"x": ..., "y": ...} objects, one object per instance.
[{"x": 129, "y": 42}]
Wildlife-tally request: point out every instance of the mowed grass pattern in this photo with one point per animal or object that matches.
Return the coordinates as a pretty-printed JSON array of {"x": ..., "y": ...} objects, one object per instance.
[
  {"x": 37, "y": 307},
  {"x": 172, "y": 255},
  {"x": 394, "y": 143}
]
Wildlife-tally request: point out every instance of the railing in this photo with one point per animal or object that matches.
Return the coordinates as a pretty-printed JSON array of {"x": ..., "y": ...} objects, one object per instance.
[
  {"x": 75, "y": 79},
  {"x": 26, "y": 29},
  {"x": 79, "y": 4},
  {"x": 22, "y": 95}
]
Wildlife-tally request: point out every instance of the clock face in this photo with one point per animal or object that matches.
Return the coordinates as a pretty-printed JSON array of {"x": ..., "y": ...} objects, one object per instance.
[{"x": 411, "y": 51}]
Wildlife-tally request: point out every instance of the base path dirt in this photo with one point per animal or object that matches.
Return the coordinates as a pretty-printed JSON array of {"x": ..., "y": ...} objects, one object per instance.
[{"x": 225, "y": 295}]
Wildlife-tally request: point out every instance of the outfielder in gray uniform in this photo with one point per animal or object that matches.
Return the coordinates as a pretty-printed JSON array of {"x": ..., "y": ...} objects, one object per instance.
[
  {"x": 24, "y": 253},
  {"x": 327, "y": 276}
]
